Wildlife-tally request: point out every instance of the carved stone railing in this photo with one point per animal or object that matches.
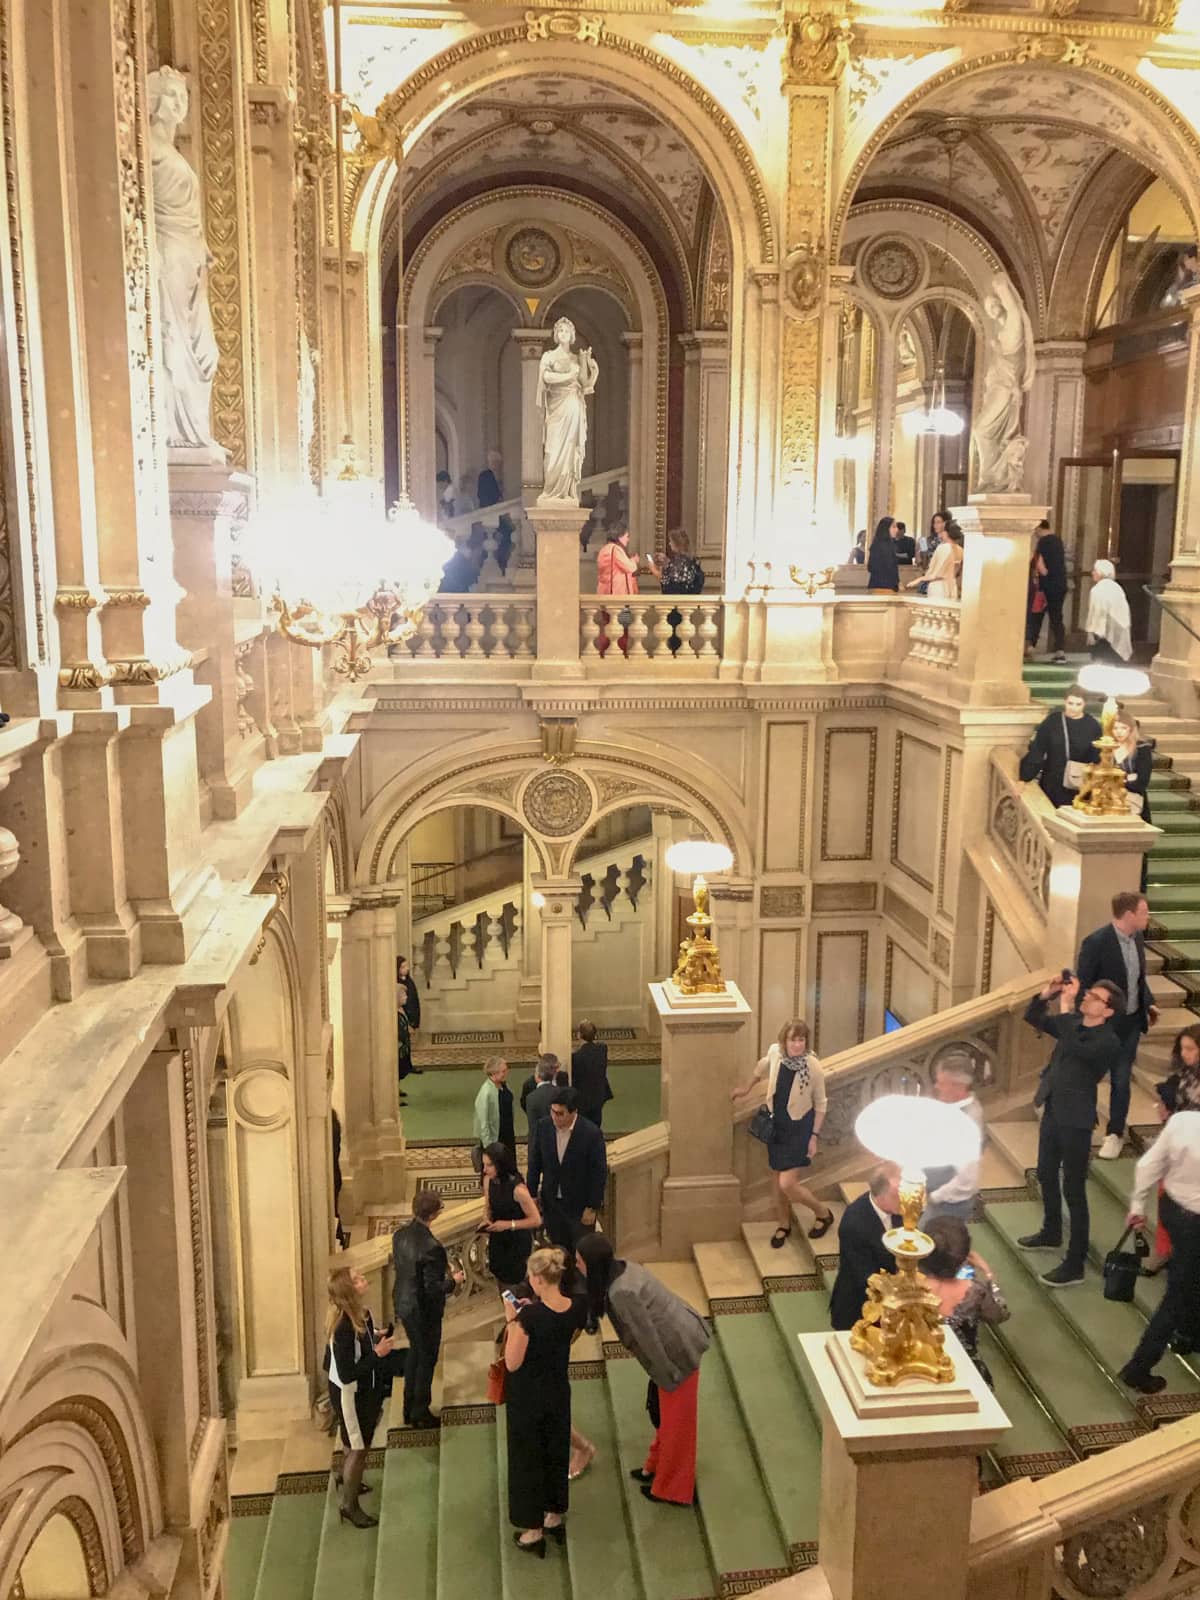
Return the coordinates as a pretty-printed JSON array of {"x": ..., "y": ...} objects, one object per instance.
[
  {"x": 472, "y": 628},
  {"x": 637, "y": 1165},
  {"x": 619, "y": 633},
  {"x": 1016, "y": 830},
  {"x": 1123, "y": 1525},
  {"x": 1007, "y": 1054},
  {"x": 933, "y": 632}
]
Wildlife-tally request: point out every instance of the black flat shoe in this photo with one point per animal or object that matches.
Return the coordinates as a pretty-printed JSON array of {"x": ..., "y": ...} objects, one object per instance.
[
  {"x": 531, "y": 1547},
  {"x": 558, "y": 1533},
  {"x": 640, "y": 1476},
  {"x": 1144, "y": 1382},
  {"x": 780, "y": 1237},
  {"x": 358, "y": 1518},
  {"x": 821, "y": 1228},
  {"x": 679, "y": 1505}
]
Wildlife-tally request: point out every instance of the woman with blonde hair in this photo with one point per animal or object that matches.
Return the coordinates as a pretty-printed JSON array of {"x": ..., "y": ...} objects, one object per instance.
[
  {"x": 356, "y": 1389},
  {"x": 537, "y": 1398},
  {"x": 1135, "y": 756},
  {"x": 494, "y": 1112},
  {"x": 795, "y": 1098}
]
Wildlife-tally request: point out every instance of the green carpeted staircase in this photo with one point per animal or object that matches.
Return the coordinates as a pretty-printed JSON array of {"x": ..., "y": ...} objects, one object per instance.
[{"x": 1173, "y": 880}]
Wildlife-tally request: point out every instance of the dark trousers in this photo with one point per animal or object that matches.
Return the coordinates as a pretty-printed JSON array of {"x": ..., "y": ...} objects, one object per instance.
[
  {"x": 596, "y": 1115},
  {"x": 539, "y": 1454},
  {"x": 1064, "y": 1151},
  {"x": 1054, "y": 614},
  {"x": 1120, "y": 1081},
  {"x": 424, "y": 1344},
  {"x": 1179, "y": 1309},
  {"x": 562, "y": 1227}
]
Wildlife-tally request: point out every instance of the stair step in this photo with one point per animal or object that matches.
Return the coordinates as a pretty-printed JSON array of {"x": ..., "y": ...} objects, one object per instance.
[
  {"x": 346, "y": 1560},
  {"x": 794, "y": 1256},
  {"x": 1166, "y": 870},
  {"x": 1018, "y": 1141},
  {"x": 1181, "y": 953},
  {"x": 1174, "y": 846},
  {"x": 798, "y": 1310},
  {"x": 727, "y": 1270},
  {"x": 468, "y": 1506},
  {"x": 1110, "y": 1329},
  {"x": 1177, "y": 925},
  {"x": 740, "y": 1529},
  {"x": 599, "y": 1550},
  {"x": 1170, "y": 802},
  {"x": 243, "y": 1554},
  {"x": 1176, "y": 824},
  {"x": 522, "y": 1575},
  {"x": 408, "y": 1520},
  {"x": 1034, "y": 1445},
  {"x": 669, "y": 1544},
  {"x": 1082, "y": 1401},
  {"x": 289, "y": 1554},
  {"x": 784, "y": 1435}
]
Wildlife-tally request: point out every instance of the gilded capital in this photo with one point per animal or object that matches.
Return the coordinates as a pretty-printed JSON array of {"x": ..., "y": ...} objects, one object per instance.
[{"x": 818, "y": 50}]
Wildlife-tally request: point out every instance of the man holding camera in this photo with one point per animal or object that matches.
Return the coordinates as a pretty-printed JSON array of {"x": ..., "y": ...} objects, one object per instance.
[{"x": 1086, "y": 1049}]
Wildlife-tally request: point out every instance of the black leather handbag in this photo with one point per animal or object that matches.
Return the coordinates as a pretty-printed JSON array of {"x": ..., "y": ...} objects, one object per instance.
[
  {"x": 1121, "y": 1266},
  {"x": 762, "y": 1125}
]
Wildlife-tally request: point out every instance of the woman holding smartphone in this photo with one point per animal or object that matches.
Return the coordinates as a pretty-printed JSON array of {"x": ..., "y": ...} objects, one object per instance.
[
  {"x": 510, "y": 1217},
  {"x": 356, "y": 1382},
  {"x": 537, "y": 1350}
]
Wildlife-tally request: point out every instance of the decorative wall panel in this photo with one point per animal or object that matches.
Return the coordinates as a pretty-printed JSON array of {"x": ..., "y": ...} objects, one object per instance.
[
  {"x": 949, "y": 839},
  {"x": 844, "y": 896},
  {"x": 908, "y": 989},
  {"x": 785, "y": 796},
  {"x": 909, "y": 918},
  {"x": 780, "y": 969},
  {"x": 848, "y": 794},
  {"x": 840, "y": 999},
  {"x": 915, "y": 819}
]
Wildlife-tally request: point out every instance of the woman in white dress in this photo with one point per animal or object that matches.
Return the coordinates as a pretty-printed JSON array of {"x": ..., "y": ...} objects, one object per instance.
[
  {"x": 941, "y": 575},
  {"x": 564, "y": 381}
]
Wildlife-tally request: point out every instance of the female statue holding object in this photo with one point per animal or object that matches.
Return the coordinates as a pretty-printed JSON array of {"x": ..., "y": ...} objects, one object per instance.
[{"x": 565, "y": 379}]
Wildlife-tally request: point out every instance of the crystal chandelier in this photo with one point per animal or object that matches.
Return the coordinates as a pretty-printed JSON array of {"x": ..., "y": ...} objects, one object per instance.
[{"x": 936, "y": 420}]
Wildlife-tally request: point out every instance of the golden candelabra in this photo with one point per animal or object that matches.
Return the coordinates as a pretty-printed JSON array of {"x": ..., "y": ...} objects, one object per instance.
[
  {"x": 812, "y": 579},
  {"x": 699, "y": 968},
  {"x": 1104, "y": 791},
  {"x": 386, "y": 618},
  {"x": 900, "y": 1330}
]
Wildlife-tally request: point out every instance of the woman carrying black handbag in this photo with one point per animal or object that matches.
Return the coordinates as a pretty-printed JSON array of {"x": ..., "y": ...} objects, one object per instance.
[{"x": 795, "y": 1105}]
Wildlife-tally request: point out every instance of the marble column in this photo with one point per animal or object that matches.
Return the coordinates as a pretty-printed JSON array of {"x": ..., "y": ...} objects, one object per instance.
[
  {"x": 1176, "y": 668},
  {"x": 373, "y": 1141},
  {"x": 529, "y": 992},
  {"x": 1055, "y": 422},
  {"x": 421, "y": 412},
  {"x": 273, "y": 221},
  {"x": 556, "y": 530},
  {"x": 701, "y": 1060},
  {"x": 884, "y": 425},
  {"x": 705, "y": 441},
  {"x": 641, "y": 468},
  {"x": 531, "y": 342},
  {"x": 995, "y": 579},
  {"x": 558, "y": 920}
]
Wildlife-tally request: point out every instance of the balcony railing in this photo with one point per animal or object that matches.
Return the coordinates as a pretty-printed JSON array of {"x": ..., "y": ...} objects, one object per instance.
[
  {"x": 474, "y": 628},
  {"x": 933, "y": 632},
  {"x": 623, "y": 632}
]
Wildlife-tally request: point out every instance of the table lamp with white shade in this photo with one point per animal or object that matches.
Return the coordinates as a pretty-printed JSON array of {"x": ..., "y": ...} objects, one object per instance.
[
  {"x": 699, "y": 968},
  {"x": 900, "y": 1330},
  {"x": 1104, "y": 792}
]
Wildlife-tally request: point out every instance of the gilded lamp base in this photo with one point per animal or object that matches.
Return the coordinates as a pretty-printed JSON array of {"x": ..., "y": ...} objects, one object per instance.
[
  {"x": 900, "y": 1330},
  {"x": 698, "y": 970},
  {"x": 1104, "y": 791}
]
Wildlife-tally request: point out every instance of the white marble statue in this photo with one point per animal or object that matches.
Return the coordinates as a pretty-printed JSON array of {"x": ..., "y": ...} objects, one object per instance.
[
  {"x": 565, "y": 379},
  {"x": 189, "y": 346},
  {"x": 997, "y": 442}
]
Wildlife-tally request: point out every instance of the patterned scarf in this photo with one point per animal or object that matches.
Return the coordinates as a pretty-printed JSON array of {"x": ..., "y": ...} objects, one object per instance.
[{"x": 798, "y": 1065}]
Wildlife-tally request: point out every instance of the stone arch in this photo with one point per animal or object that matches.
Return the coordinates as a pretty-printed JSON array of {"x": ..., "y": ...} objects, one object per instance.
[
  {"x": 1156, "y": 113},
  {"x": 504, "y": 780},
  {"x": 337, "y": 840},
  {"x": 1090, "y": 236},
  {"x": 926, "y": 224},
  {"x": 499, "y": 209}
]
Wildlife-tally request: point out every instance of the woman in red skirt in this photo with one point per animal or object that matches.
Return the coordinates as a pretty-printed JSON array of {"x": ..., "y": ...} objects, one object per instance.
[
  {"x": 1178, "y": 1091},
  {"x": 669, "y": 1339}
]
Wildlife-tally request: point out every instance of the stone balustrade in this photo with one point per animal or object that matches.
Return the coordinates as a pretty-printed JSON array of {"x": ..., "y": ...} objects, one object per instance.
[
  {"x": 624, "y": 632},
  {"x": 933, "y": 632},
  {"x": 1015, "y": 828},
  {"x": 473, "y": 628}
]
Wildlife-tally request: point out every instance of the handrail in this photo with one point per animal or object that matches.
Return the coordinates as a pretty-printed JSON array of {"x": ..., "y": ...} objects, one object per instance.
[
  {"x": 1169, "y": 609},
  {"x": 1016, "y": 827},
  {"x": 432, "y": 868}
]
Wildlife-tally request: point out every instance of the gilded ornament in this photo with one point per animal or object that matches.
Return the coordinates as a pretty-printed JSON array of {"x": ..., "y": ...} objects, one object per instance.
[
  {"x": 782, "y": 900},
  {"x": 76, "y": 600},
  {"x": 818, "y": 49},
  {"x": 557, "y": 803},
  {"x": 376, "y": 141},
  {"x": 126, "y": 599},
  {"x": 585, "y": 28},
  {"x": 314, "y": 153},
  {"x": 804, "y": 278},
  {"x": 798, "y": 432},
  {"x": 891, "y": 269},
  {"x": 1159, "y": 14},
  {"x": 82, "y": 675},
  {"x": 533, "y": 258},
  {"x": 558, "y": 738},
  {"x": 1054, "y": 47}
]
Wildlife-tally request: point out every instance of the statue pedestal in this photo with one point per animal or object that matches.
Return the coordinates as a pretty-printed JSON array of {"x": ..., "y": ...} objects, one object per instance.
[
  {"x": 556, "y": 529},
  {"x": 995, "y": 588},
  {"x": 898, "y": 1472},
  {"x": 1094, "y": 857}
]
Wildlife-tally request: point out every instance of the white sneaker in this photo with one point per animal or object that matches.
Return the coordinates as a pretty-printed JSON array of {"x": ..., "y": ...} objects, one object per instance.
[{"x": 1112, "y": 1146}]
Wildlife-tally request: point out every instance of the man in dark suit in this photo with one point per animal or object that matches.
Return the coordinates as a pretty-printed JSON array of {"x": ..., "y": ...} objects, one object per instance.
[
  {"x": 860, "y": 1244},
  {"x": 423, "y": 1284},
  {"x": 1086, "y": 1047},
  {"x": 568, "y": 1169},
  {"x": 537, "y": 1101},
  {"x": 1117, "y": 952},
  {"x": 589, "y": 1074}
]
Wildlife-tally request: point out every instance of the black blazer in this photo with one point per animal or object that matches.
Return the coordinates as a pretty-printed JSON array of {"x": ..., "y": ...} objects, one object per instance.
[
  {"x": 412, "y": 1001},
  {"x": 860, "y": 1253},
  {"x": 1142, "y": 768},
  {"x": 422, "y": 1282},
  {"x": 1082, "y": 1056},
  {"x": 1047, "y": 756},
  {"x": 1100, "y": 957},
  {"x": 589, "y": 1077},
  {"x": 583, "y": 1173},
  {"x": 883, "y": 570}
]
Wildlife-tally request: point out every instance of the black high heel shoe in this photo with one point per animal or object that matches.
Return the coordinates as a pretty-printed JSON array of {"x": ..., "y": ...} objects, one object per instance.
[
  {"x": 357, "y": 1517},
  {"x": 558, "y": 1532},
  {"x": 532, "y": 1547}
]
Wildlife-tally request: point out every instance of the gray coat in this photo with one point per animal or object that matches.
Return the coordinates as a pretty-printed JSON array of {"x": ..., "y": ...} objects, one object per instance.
[{"x": 661, "y": 1330}]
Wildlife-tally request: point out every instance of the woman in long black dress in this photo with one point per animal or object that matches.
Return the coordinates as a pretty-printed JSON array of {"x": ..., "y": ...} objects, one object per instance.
[
  {"x": 883, "y": 570},
  {"x": 356, "y": 1382},
  {"x": 510, "y": 1216},
  {"x": 537, "y": 1399}
]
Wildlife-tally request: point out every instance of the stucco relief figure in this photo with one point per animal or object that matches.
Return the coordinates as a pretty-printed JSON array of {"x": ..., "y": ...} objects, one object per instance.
[
  {"x": 997, "y": 442},
  {"x": 565, "y": 379},
  {"x": 189, "y": 346}
]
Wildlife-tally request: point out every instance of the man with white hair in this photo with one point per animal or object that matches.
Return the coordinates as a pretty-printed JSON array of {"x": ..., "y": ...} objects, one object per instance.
[{"x": 951, "y": 1191}]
